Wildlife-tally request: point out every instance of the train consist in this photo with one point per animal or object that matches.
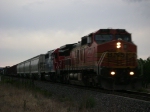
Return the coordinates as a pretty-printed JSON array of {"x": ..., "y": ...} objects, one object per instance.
[{"x": 106, "y": 58}]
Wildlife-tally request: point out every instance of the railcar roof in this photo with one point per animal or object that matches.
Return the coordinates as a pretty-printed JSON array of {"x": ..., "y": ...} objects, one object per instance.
[
  {"x": 30, "y": 59},
  {"x": 67, "y": 46}
]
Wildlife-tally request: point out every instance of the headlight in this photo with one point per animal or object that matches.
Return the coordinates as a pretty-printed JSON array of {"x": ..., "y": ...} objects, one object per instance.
[
  {"x": 112, "y": 73},
  {"x": 118, "y": 45},
  {"x": 131, "y": 73}
]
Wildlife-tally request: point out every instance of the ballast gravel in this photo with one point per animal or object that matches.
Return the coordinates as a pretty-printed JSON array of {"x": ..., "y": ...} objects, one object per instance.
[{"x": 104, "y": 102}]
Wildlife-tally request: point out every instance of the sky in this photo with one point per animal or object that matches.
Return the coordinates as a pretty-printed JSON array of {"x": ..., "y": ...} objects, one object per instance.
[{"x": 32, "y": 27}]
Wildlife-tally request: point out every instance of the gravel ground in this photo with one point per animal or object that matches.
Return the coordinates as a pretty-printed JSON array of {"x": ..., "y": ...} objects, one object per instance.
[{"x": 104, "y": 102}]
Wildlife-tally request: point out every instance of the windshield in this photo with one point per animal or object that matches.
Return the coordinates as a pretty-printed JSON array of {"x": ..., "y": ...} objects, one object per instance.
[
  {"x": 103, "y": 38},
  {"x": 123, "y": 37}
]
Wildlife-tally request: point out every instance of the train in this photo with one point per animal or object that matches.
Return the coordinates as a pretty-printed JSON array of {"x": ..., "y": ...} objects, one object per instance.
[{"x": 106, "y": 58}]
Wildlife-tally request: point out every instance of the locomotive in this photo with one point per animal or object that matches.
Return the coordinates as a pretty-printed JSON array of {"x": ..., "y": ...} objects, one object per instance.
[{"x": 106, "y": 58}]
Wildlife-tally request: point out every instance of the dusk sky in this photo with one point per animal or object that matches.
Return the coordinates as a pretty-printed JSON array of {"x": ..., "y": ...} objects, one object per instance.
[{"x": 32, "y": 27}]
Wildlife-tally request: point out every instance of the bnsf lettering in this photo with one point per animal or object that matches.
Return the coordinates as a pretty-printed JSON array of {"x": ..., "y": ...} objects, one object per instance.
[{"x": 121, "y": 55}]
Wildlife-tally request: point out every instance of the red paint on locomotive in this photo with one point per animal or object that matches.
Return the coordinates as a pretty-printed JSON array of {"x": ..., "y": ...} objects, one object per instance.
[
  {"x": 106, "y": 54},
  {"x": 88, "y": 54}
]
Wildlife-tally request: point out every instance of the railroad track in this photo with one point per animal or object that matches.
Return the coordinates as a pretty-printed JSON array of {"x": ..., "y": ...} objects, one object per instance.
[
  {"x": 122, "y": 93},
  {"x": 135, "y": 95}
]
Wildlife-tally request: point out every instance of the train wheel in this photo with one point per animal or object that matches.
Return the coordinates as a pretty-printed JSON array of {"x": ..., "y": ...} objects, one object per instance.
[
  {"x": 42, "y": 77},
  {"x": 94, "y": 84},
  {"x": 95, "y": 81},
  {"x": 67, "y": 78}
]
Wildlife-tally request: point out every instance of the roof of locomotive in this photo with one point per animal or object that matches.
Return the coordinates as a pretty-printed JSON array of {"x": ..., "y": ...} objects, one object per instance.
[{"x": 113, "y": 31}]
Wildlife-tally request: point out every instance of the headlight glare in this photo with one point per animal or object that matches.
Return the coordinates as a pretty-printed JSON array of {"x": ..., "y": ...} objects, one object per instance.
[
  {"x": 112, "y": 73},
  {"x": 118, "y": 45},
  {"x": 131, "y": 73}
]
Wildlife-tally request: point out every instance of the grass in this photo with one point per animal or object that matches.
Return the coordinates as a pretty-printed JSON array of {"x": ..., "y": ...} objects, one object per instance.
[
  {"x": 143, "y": 90},
  {"x": 25, "y": 97},
  {"x": 87, "y": 103}
]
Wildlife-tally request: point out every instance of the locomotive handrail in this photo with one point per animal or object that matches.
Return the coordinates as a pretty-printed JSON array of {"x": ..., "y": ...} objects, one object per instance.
[{"x": 101, "y": 60}]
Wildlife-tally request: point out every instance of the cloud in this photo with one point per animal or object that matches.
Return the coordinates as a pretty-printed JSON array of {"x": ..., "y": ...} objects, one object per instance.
[
  {"x": 136, "y": 0},
  {"x": 32, "y": 27},
  {"x": 20, "y": 45},
  {"x": 71, "y": 15},
  {"x": 22, "y": 39},
  {"x": 54, "y": 14},
  {"x": 141, "y": 39}
]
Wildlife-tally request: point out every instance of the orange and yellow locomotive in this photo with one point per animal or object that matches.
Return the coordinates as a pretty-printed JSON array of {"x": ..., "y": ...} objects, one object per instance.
[{"x": 107, "y": 58}]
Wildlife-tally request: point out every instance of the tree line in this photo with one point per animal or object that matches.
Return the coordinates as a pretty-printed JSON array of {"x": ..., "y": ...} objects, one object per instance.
[{"x": 144, "y": 71}]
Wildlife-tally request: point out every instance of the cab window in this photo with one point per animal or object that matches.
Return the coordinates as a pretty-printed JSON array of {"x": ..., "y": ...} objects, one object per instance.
[
  {"x": 124, "y": 37},
  {"x": 102, "y": 38}
]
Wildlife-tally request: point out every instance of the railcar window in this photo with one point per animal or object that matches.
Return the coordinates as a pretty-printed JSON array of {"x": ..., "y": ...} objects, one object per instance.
[
  {"x": 124, "y": 37},
  {"x": 103, "y": 38}
]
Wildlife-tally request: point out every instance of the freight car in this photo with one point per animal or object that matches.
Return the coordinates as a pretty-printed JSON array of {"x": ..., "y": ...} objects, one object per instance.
[
  {"x": 32, "y": 68},
  {"x": 11, "y": 71},
  {"x": 106, "y": 58}
]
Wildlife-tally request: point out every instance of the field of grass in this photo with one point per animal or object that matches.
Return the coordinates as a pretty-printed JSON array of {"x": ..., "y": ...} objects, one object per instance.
[{"x": 18, "y": 97}]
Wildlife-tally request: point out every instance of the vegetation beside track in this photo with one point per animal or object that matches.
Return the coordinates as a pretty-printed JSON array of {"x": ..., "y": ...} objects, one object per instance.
[
  {"x": 24, "y": 96},
  {"x": 145, "y": 71}
]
